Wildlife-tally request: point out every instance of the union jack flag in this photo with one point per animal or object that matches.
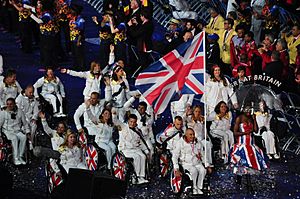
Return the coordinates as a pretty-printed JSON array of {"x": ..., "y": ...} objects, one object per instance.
[
  {"x": 54, "y": 179},
  {"x": 119, "y": 166},
  {"x": 82, "y": 140},
  {"x": 164, "y": 164},
  {"x": 176, "y": 183},
  {"x": 180, "y": 70},
  {"x": 91, "y": 157}
]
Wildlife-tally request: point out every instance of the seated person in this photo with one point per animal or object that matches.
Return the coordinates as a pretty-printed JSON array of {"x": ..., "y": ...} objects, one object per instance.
[
  {"x": 196, "y": 122},
  {"x": 95, "y": 106},
  {"x": 263, "y": 118},
  {"x": 12, "y": 120},
  {"x": 172, "y": 134},
  {"x": 133, "y": 145},
  {"x": 103, "y": 134},
  {"x": 9, "y": 86},
  {"x": 220, "y": 128},
  {"x": 144, "y": 122},
  {"x": 188, "y": 152},
  {"x": 52, "y": 90},
  {"x": 71, "y": 153}
]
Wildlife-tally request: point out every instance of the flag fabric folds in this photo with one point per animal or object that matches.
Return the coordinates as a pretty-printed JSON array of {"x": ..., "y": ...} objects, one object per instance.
[{"x": 180, "y": 71}]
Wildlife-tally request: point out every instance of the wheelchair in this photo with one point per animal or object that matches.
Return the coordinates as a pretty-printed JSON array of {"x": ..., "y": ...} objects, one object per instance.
[
  {"x": 94, "y": 156},
  {"x": 5, "y": 149}
]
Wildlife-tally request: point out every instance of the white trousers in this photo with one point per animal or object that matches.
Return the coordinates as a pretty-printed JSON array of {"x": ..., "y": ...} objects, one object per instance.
[
  {"x": 110, "y": 149},
  {"x": 226, "y": 138},
  {"x": 198, "y": 173},
  {"x": 269, "y": 141},
  {"x": 18, "y": 141},
  {"x": 139, "y": 160},
  {"x": 206, "y": 157},
  {"x": 52, "y": 99}
]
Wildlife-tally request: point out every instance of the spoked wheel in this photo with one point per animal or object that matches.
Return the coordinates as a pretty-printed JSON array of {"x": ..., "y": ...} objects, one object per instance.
[
  {"x": 118, "y": 166},
  {"x": 165, "y": 164},
  {"x": 176, "y": 183},
  {"x": 91, "y": 157}
]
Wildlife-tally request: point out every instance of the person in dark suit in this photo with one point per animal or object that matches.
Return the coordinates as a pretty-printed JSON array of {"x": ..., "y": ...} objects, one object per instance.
[
  {"x": 213, "y": 51},
  {"x": 274, "y": 69},
  {"x": 142, "y": 34}
]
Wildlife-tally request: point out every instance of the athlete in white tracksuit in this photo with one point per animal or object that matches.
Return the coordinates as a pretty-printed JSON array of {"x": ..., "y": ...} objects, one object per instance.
[
  {"x": 30, "y": 107},
  {"x": 263, "y": 119},
  {"x": 179, "y": 108},
  {"x": 220, "y": 128},
  {"x": 132, "y": 145},
  {"x": 9, "y": 87},
  {"x": 103, "y": 130},
  {"x": 144, "y": 121},
  {"x": 188, "y": 151},
  {"x": 12, "y": 121}
]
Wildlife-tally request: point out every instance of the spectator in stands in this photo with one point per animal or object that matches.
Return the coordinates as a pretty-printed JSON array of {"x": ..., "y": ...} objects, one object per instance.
[
  {"x": 12, "y": 121},
  {"x": 9, "y": 86},
  {"x": 245, "y": 63},
  {"x": 224, "y": 44},
  {"x": 281, "y": 47},
  {"x": 71, "y": 153},
  {"x": 190, "y": 26},
  {"x": 119, "y": 32},
  {"x": 216, "y": 23},
  {"x": 181, "y": 10},
  {"x": 142, "y": 33},
  {"x": 232, "y": 15},
  {"x": 236, "y": 44},
  {"x": 212, "y": 51},
  {"x": 77, "y": 26},
  {"x": 267, "y": 49},
  {"x": 93, "y": 78},
  {"x": 249, "y": 48},
  {"x": 293, "y": 41}
]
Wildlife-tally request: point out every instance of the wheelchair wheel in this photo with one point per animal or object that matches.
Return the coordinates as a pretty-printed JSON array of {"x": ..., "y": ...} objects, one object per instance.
[
  {"x": 165, "y": 164},
  {"x": 91, "y": 157},
  {"x": 176, "y": 183},
  {"x": 118, "y": 166}
]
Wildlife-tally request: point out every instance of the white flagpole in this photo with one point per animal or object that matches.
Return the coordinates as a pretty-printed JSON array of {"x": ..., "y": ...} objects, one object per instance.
[{"x": 204, "y": 79}]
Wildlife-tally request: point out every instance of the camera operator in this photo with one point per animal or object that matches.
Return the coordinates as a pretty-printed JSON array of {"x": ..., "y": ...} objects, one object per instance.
[{"x": 12, "y": 120}]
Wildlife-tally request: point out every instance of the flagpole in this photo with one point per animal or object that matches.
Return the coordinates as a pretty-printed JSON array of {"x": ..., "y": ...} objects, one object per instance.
[{"x": 204, "y": 79}]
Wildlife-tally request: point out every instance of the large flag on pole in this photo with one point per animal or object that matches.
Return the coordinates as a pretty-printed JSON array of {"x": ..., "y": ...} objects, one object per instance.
[{"x": 181, "y": 70}]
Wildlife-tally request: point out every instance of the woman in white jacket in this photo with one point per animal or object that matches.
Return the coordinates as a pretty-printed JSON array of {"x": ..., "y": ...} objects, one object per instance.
[
  {"x": 188, "y": 151},
  {"x": 93, "y": 78},
  {"x": 220, "y": 128},
  {"x": 52, "y": 90},
  {"x": 71, "y": 153},
  {"x": 218, "y": 89},
  {"x": 103, "y": 133},
  {"x": 263, "y": 118}
]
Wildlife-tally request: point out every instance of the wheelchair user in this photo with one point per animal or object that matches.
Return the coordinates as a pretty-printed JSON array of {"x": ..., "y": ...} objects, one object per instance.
[
  {"x": 12, "y": 120},
  {"x": 172, "y": 134},
  {"x": 132, "y": 145},
  {"x": 188, "y": 153},
  {"x": 71, "y": 153},
  {"x": 103, "y": 131}
]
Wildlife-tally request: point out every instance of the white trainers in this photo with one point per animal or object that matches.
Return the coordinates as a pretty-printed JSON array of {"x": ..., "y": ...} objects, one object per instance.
[
  {"x": 276, "y": 156},
  {"x": 195, "y": 191},
  {"x": 22, "y": 161},
  {"x": 142, "y": 181},
  {"x": 17, "y": 162},
  {"x": 200, "y": 192},
  {"x": 269, "y": 156}
]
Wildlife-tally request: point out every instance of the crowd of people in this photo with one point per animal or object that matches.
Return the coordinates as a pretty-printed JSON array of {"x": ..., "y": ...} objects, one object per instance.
[{"x": 248, "y": 41}]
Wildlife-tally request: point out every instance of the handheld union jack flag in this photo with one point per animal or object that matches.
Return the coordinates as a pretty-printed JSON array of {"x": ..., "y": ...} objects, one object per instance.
[
  {"x": 176, "y": 182},
  {"x": 54, "y": 178},
  {"x": 180, "y": 70},
  {"x": 91, "y": 157}
]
